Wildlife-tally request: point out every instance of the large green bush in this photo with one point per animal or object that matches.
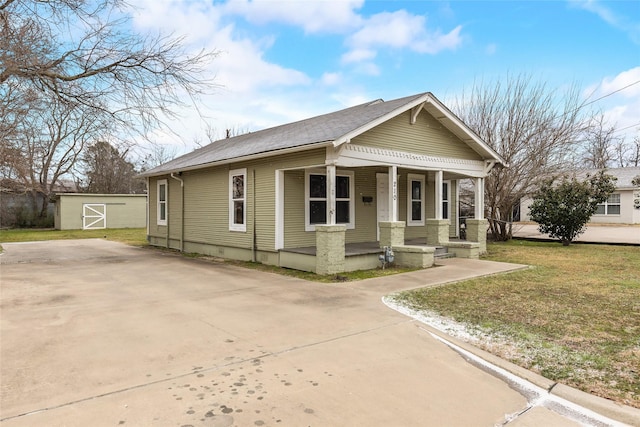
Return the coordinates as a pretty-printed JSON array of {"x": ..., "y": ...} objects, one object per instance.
[{"x": 562, "y": 209}]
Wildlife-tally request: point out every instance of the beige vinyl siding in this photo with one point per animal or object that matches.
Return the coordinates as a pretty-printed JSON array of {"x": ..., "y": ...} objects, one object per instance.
[
  {"x": 174, "y": 210},
  {"x": 427, "y": 136},
  {"x": 366, "y": 214},
  {"x": 207, "y": 202}
]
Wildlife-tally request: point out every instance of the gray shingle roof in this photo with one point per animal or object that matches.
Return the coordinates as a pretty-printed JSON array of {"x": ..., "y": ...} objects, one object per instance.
[
  {"x": 319, "y": 129},
  {"x": 334, "y": 128},
  {"x": 624, "y": 175}
]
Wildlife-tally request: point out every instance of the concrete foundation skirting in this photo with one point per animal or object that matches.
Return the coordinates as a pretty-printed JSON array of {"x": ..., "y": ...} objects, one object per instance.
[
  {"x": 361, "y": 262},
  {"x": 414, "y": 256},
  {"x": 464, "y": 249},
  {"x": 302, "y": 262}
]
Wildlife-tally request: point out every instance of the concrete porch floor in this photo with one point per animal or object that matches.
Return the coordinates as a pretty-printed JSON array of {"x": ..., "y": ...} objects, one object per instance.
[{"x": 362, "y": 248}]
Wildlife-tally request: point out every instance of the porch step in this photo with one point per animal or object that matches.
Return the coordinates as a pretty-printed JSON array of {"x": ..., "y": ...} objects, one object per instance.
[{"x": 442, "y": 253}]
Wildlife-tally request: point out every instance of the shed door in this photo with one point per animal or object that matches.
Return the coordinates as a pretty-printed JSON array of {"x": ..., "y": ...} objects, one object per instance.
[{"x": 94, "y": 216}]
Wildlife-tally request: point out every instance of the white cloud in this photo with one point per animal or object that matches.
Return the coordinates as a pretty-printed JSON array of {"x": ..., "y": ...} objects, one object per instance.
[
  {"x": 627, "y": 82},
  {"x": 491, "y": 49},
  {"x": 331, "y": 79},
  {"x": 620, "y": 100},
  {"x": 320, "y": 16},
  {"x": 398, "y": 30},
  {"x": 358, "y": 55}
]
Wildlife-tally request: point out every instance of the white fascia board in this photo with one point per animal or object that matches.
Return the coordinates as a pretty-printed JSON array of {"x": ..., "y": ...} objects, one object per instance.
[{"x": 346, "y": 138}]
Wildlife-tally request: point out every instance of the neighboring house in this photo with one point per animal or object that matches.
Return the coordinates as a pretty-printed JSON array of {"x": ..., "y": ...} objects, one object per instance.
[
  {"x": 324, "y": 194},
  {"x": 622, "y": 207},
  {"x": 81, "y": 211}
]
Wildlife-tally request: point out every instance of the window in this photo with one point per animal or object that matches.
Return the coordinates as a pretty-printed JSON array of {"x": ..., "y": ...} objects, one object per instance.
[
  {"x": 237, "y": 200},
  {"x": 611, "y": 206},
  {"x": 162, "y": 202},
  {"x": 415, "y": 200},
  {"x": 446, "y": 196},
  {"x": 316, "y": 199}
]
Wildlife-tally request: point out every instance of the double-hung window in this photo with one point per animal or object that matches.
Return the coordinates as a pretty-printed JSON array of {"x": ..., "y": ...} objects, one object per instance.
[
  {"x": 446, "y": 196},
  {"x": 238, "y": 200},
  {"x": 611, "y": 206},
  {"x": 415, "y": 200},
  {"x": 316, "y": 203},
  {"x": 161, "y": 208}
]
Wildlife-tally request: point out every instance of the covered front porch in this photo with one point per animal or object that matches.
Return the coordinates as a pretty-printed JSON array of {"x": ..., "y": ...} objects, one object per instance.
[{"x": 339, "y": 218}]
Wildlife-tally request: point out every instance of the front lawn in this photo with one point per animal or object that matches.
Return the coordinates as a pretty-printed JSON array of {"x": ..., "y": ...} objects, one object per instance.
[
  {"x": 574, "y": 317},
  {"x": 130, "y": 236}
]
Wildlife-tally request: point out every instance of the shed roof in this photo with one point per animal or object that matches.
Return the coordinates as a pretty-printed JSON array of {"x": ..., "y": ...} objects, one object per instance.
[{"x": 328, "y": 129}]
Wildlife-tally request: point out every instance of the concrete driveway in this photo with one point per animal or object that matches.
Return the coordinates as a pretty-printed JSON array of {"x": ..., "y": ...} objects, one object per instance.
[{"x": 98, "y": 333}]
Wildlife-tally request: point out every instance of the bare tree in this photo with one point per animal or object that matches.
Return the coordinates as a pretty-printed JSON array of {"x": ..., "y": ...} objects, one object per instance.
[
  {"x": 532, "y": 126},
  {"x": 108, "y": 171},
  {"x": 632, "y": 153},
  {"x": 155, "y": 155},
  {"x": 47, "y": 145},
  {"x": 79, "y": 51},
  {"x": 71, "y": 71},
  {"x": 601, "y": 144}
]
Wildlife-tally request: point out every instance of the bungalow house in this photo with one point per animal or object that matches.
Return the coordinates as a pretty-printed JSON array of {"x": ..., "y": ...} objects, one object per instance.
[
  {"x": 326, "y": 193},
  {"x": 622, "y": 206}
]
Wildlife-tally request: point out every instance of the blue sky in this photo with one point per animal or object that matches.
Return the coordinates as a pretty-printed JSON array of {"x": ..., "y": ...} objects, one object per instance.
[{"x": 282, "y": 61}]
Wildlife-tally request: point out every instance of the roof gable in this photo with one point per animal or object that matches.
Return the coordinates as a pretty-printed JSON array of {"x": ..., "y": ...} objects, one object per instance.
[{"x": 334, "y": 128}]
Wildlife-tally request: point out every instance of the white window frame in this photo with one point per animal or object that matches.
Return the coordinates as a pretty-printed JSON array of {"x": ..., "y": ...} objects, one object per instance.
[
  {"x": 446, "y": 200},
  {"x": 410, "y": 179},
  {"x": 607, "y": 203},
  {"x": 352, "y": 210},
  {"x": 162, "y": 221},
  {"x": 233, "y": 226}
]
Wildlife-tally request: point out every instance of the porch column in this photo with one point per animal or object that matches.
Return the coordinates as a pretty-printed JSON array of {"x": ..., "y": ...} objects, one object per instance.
[
  {"x": 331, "y": 194},
  {"x": 438, "y": 195},
  {"x": 479, "y": 198},
  {"x": 393, "y": 193},
  {"x": 330, "y": 249}
]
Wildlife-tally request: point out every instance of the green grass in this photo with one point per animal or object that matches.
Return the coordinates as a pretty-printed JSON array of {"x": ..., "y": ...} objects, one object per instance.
[
  {"x": 130, "y": 236},
  {"x": 574, "y": 317}
]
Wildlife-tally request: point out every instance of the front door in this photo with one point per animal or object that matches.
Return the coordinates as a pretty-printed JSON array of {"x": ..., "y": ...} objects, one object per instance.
[
  {"x": 382, "y": 199},
  {"x": 94, "y": 216}
]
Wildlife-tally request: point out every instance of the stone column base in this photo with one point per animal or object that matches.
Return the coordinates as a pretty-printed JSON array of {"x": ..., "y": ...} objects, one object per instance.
[
  {"x": 438, "y": 232},
  {"x": 330, "y": 241},
  {"x": 391, "y": 233},
  {"x": 477, "y": 232}
]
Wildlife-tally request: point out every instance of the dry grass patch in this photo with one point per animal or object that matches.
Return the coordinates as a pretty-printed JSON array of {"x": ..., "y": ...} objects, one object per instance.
[{"x": 574, "y": 317}]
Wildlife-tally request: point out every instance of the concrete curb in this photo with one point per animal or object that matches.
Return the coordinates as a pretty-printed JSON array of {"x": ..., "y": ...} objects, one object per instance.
[{"x": 621, "y": 413}]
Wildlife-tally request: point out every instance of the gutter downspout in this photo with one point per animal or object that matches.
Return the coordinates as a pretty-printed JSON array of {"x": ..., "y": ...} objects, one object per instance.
[
  {"x": 253, "y": 242},
  {"x": 146, "y": 180},
  {"x": 181, "y": 208}
]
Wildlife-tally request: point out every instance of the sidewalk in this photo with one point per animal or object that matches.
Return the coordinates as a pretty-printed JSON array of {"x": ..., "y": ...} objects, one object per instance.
[{"x": 594, "y": 233}]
